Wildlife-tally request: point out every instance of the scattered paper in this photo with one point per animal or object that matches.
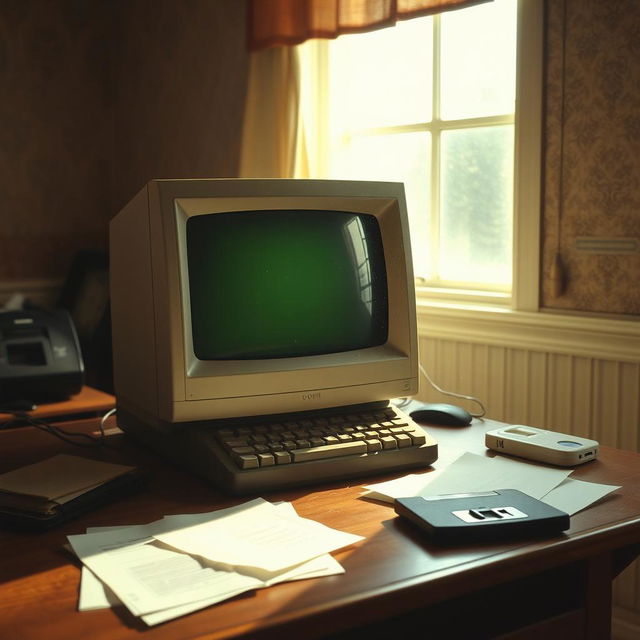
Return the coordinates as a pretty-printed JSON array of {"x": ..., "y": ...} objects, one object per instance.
[
  {"x": 405, "y": 487},
  {"x": 94, "y": 594},
  {"x": 572, "y": 495},
  {"x": 130, "y": 565},
  {"x": 471, "y": 473},
  {"x": 258, "y": 537}
]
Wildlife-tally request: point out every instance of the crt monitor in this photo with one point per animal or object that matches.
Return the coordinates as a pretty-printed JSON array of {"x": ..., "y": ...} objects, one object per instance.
[{"x": 238, "y": 297}]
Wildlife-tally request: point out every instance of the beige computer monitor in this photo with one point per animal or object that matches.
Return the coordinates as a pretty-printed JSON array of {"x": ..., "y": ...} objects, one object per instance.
[{"x": 159, "y": 379}]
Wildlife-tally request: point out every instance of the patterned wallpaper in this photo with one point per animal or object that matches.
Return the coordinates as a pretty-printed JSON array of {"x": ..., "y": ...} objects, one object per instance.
[
  {"x": 592, "y": 155},
  {"x": 99, "y": 96},
  {"x": 181, "y": 76},
  {"x": 55, "y": 133}
]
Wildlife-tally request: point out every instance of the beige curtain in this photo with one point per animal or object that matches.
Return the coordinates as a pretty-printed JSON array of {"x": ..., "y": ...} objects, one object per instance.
[{"x": 270, "y": 126}]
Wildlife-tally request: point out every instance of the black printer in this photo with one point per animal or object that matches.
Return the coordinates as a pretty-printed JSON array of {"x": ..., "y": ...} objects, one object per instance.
[{"x": 40, "y": 356}]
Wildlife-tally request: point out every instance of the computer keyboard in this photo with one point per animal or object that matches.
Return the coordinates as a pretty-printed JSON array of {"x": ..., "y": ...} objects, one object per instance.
[{"x": 319, "y": 448}]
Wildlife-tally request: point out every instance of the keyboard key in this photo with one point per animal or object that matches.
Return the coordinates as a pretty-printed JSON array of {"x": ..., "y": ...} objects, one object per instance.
[
  {"x": 261, "y": 448},
  {"x": 282, "y": 457},
  {"x": 329, "y": 451},
  {"x": 389, "y": 442},
  {"x": 247, "y": 461},
  {"x": 232, "y": 444},
  {"x": 373, "y": 444},
  {"x": 242, "y": 450},
  {"x": 266, "y": 459},
  {"x": 403, "y": 440}
]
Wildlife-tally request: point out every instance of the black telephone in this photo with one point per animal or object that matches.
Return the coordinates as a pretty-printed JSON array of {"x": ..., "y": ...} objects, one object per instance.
[{"x": 40, "y": 356}]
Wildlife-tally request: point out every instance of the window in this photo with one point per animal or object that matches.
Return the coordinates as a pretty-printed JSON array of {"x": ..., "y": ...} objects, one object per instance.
[{"x": 431, "y": 102}]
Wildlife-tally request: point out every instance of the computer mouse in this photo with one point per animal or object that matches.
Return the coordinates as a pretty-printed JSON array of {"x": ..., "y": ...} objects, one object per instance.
[{"x": 441, "y": 413}]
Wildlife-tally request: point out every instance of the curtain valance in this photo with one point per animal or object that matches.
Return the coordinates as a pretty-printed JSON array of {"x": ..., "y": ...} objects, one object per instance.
[{"x": 288, "y": 22}]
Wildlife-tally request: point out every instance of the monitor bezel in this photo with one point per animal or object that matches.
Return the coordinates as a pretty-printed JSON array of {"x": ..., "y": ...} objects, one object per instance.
[{"x": 223, "y": 383}]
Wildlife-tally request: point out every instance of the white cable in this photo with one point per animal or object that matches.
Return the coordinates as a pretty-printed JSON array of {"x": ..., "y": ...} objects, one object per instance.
[
  {"x": 104, "y": 419},
  {"x": 455, "y": 395}
]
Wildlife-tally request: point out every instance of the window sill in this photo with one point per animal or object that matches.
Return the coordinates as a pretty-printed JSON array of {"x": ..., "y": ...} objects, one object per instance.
[
  {"x": 582, "y": 335},
  {"x": 457, "y": 296}
]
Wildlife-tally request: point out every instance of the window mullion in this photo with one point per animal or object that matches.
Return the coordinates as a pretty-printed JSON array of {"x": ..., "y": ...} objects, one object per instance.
[
  {"x": 435, "y": 125},
  {"x": 434, "y": 214}
]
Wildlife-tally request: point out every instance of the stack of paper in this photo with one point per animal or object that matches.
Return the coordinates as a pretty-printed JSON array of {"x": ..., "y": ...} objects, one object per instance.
[
  {"x": 471, "y": 473},
  {"x": 183, "y": 563}
]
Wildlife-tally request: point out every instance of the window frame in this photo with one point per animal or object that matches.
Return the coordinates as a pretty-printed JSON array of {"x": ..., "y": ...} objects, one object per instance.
[{"x": 524, "y": 294}]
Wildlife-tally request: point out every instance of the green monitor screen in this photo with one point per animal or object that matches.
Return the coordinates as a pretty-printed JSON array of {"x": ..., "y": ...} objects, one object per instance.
[{"x": 280, "y": 284}]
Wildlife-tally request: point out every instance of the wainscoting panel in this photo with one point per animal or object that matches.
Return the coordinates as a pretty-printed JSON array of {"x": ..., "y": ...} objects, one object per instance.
[{"x": 588, "y": 396}]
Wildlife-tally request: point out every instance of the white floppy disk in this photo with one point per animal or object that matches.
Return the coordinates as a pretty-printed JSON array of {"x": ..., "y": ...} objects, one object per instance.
[{"x": 545, "y": 446}]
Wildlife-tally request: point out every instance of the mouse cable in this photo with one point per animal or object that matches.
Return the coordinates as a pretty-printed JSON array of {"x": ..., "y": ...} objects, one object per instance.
[
  {"x": 70, "y": 437},
  {"x": 455, "y": 395}
]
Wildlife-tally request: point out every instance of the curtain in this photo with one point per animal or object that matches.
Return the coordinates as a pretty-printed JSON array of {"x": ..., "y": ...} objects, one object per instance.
[
  {"x": 289, "y": 22},
  {"x": 269, "y": 133}
]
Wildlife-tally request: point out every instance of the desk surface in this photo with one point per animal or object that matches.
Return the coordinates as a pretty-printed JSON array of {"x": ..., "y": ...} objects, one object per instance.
[
  {"x": 87, "y": 403},
  {"x": 394, "y": 571}
]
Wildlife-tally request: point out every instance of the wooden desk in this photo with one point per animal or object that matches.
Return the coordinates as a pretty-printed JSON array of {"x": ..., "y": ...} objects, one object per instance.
[
  {"x": 89, "y": 402},
  {"x": 560, "y": 586}
]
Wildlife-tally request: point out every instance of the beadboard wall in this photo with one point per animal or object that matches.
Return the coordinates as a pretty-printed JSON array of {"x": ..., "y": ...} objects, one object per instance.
[
  {"x": 572, "y": 374},
  {"x": 589, "y": 397}
]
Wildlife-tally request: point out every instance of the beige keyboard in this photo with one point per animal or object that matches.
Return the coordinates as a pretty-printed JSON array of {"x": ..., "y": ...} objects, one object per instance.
[
  {"x": 321, "y": 447},
  {"x": 317, "y": 438}
]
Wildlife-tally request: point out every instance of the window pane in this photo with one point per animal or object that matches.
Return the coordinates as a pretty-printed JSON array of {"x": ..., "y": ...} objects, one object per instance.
[
  {"x": 373, "y": 75},
  {"x": 401, "y": 157},
  {"x": 479, "y": 61},
  {"x": 476, "y": 205}
]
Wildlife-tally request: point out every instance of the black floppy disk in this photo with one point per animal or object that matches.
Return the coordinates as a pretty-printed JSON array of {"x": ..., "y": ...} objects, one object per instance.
[{"x": 486, "y": 515}]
